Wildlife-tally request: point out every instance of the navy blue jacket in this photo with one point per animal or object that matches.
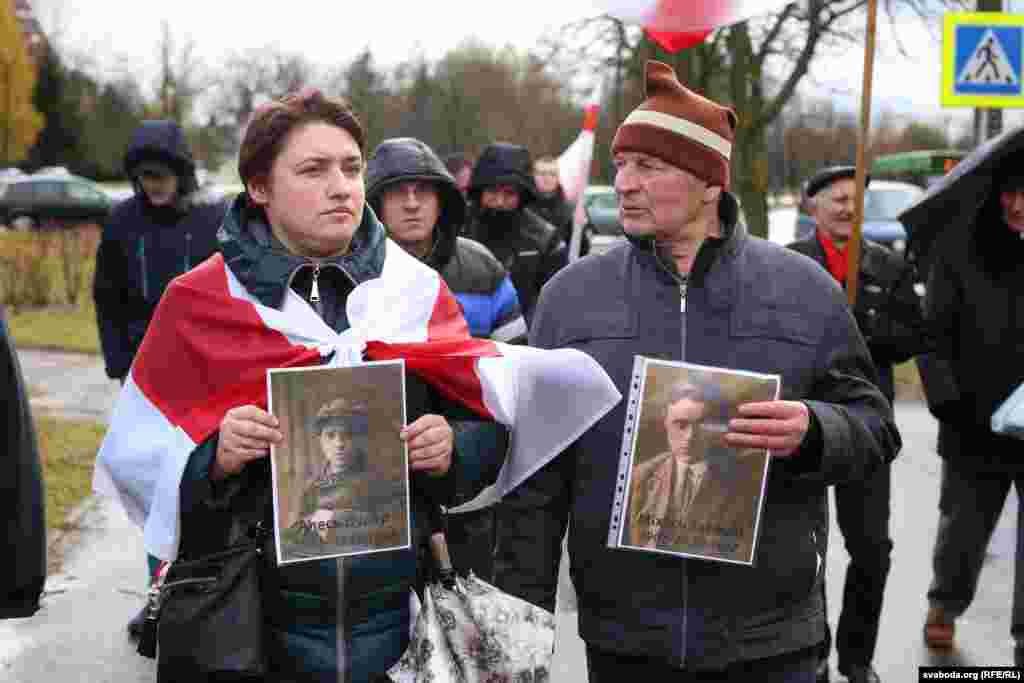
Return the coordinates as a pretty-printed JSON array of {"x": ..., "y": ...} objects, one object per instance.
[
  {"x": 751, "y": 305},
  {"x": 144, "y": 247}
]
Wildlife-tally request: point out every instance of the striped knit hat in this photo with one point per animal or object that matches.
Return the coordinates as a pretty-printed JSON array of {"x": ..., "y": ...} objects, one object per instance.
[{"x": 679, "y": 127}]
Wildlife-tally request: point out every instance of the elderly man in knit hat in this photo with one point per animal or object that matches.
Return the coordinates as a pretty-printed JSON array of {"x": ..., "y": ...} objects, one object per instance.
[{"x": 691, "y": 284}]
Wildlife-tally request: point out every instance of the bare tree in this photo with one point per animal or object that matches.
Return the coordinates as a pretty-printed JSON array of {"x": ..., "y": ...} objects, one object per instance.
[
  {"x": 753, "y": 66},
  {"x": 181, "y": 76}
]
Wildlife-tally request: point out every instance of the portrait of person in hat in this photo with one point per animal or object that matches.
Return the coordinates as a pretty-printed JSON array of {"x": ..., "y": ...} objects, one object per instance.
[
  {"x": 889, "y": 316},
  {"x": 344, "y": 503},
  {"x": 690, "y": 284}
]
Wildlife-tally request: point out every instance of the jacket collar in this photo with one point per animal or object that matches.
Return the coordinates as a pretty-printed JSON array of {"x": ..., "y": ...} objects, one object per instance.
[{"x": 265, "y": 267}]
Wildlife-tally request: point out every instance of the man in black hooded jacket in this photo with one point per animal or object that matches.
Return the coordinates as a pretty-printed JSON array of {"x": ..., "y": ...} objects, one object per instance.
[
  {"x": 421, "y": 206},
  {"x": 501, "y": 191},
  {"x": 162, "y": 231}
]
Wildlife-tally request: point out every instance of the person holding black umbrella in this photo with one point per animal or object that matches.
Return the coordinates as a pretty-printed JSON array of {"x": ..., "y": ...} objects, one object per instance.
[
  {"x": 975, "y": 310},
  {"x": 888, "y": 314}
]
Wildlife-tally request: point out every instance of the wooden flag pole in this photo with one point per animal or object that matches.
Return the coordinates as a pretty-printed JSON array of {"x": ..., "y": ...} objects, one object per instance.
[{"x": 853, "y": 255}]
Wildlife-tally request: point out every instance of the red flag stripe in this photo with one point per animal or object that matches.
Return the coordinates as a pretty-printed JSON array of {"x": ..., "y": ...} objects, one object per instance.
[{"x": 221, "y": 349}]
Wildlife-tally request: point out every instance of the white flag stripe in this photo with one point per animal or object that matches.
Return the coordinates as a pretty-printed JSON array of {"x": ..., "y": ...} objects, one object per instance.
[
  {"x": 560, "y": 394},
  {"x": 140, "y": 463},
  {"x": 574, "y": 166},
  {"x": 688, "y": 129}
]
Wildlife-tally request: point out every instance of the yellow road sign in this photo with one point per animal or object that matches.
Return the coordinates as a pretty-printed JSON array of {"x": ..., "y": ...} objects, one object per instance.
[{"x": 982, "y": 59}]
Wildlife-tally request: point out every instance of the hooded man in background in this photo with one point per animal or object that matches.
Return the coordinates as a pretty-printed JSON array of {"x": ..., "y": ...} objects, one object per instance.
[
  {"x": 423, "y": 210},
  {"x": 501, "y": 191},
  {"x": 160, "y": 232}
]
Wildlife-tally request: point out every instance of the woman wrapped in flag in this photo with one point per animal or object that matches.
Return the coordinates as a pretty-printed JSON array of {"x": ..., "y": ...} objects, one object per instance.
[{"x": 305, "y": 275}]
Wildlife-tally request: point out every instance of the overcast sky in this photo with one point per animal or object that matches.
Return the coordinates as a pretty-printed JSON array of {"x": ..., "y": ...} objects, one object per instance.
[{"x": 123, "y": 34}]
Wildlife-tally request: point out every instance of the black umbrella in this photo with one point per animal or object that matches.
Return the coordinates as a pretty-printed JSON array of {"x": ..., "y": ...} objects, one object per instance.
[{"x": 953, "y": 201}]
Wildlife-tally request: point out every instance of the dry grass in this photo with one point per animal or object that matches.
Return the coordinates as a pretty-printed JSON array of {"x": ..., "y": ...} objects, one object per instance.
[
  {"x": 59, "y": 328},
  {"x": 68, "y": 449},
  {"x": 46, "y": 281}
]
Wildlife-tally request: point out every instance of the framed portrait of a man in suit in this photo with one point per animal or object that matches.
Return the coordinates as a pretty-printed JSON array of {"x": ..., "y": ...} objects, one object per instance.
[
  {"x": 341, "y": 485},
  {"x": 684, "y": 490}
]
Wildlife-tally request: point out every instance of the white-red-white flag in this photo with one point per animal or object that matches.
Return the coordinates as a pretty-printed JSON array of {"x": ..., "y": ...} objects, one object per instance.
[
  {"x": 574, "y": 165},
  {"x": 678, "y": 24},
  {"x": 211, "y": 342}
]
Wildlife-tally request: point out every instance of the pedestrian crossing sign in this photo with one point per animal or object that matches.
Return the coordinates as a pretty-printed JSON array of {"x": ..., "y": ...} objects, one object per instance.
[{"x": 982, "y": 59}]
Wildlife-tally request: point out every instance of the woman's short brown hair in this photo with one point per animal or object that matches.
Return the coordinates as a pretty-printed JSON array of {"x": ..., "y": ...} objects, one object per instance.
[{"x": 271, "y": 124}]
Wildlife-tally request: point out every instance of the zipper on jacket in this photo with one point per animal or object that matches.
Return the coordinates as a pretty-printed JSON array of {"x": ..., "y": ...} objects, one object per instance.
[
  {"x": 314, "y": 290},
  {"x": 684, "y": 285},
  {"x": 142, "y": 267}
]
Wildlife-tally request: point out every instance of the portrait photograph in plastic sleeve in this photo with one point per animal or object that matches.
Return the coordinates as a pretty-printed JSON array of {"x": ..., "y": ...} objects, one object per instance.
[
  {"x": 681, "y": 489},
  {"x": 341, "y": 481}
]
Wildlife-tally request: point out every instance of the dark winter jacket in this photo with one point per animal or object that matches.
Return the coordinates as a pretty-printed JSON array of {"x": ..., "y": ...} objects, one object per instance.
[
  {"x": 144, "y": 247},
  {"x": 974, "y": 306},
  {"x": 366, "y": 598},
  {"x": 481, "y": 285},
  {"x": 556, "y": 210},
  {"x": 751, "y": 305},
  {"x": 23, "y": 537},
  {"x": 887, "y": 310},
  {"x": 528, "y": 246}
]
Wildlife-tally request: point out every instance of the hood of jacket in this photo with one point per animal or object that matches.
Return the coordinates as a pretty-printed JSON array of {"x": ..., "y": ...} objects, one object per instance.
[
  {"x": 165, "y": 141},
  {"x": 500, "y": 163},
  {"x": 733, "y": 232},
  {"x": 400, "y": 159},
  {"x": 265, "y": 267}
]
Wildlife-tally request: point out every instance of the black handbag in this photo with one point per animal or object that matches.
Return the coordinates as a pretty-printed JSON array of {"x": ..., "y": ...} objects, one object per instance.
[{"x": 207, "y": 615}]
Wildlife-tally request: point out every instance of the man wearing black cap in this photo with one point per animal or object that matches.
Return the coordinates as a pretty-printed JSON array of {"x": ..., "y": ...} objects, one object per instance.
[
  {"x": 689, "y": 284},
  {"x": 500, "y": 191},
  {"x": 888, "y": 314}
]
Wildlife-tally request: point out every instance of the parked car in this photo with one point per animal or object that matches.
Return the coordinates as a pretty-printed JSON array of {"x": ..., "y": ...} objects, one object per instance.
[
  {"x": 602, "y": 230},
  {"x": 36, "y": 201},
  {"x": 884, "y": 200}
]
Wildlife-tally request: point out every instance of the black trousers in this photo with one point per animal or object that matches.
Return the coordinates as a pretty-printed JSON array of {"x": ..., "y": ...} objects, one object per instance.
[
  {"x": 970, "y": 503},
  {"x": 611, "y": 667},
  {"x": 862, "y": 512}
]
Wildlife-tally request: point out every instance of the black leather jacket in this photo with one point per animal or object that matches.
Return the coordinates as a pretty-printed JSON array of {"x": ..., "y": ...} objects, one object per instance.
[{"x": 888, "y": 311}]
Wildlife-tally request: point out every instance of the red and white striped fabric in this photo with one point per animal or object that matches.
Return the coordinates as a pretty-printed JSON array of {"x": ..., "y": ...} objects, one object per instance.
[
  {"x": 211, "y": 342},
  {"x": 678, "y": 24},
  {"x": 574, "y": 165}
]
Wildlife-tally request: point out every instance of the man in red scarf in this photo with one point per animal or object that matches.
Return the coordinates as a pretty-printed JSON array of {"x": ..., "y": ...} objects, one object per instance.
[{"x": 889, "y": 316}]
